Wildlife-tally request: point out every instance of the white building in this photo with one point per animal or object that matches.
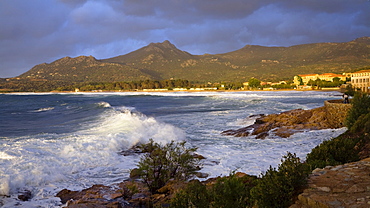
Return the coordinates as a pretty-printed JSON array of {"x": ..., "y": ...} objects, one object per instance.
[{"x": 361, "y": 80}]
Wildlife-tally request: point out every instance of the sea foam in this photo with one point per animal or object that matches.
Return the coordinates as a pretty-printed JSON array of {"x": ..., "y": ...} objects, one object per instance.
[{"x": 81, "y": 158}]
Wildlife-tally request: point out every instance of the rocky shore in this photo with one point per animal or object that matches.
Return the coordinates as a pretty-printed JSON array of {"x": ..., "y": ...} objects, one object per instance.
[
  {"x": 340, "y": 186},
  {"x": 284, "y": 124},
  {"x": 345, "y": 185},
  {"x": 127, "y": 194}
]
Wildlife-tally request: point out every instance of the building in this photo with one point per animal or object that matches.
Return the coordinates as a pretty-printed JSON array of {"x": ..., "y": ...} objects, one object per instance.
[
  {"x": 360, "y": 80},
  {"x": 326, "y": 76}
]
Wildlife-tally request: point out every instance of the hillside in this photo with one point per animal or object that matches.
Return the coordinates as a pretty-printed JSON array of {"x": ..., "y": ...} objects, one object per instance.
[{"x": 161, "y": 61}]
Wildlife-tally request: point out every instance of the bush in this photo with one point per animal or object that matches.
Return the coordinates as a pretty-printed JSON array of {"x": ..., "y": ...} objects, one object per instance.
[
  {"x": 362, "y": 125},
  {"x": 278, "y": 188},
  {"x": 333, "y": 152},
  {"x": 231, "y": 191},
  {"x": 346, "y": 147},
  {"x": 163, "y": 163},
  {"x": 195, "y": 194},
  {"x": 360, "y": 106}
]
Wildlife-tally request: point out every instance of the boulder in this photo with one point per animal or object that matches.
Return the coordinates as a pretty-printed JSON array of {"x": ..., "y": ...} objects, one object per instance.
[
  {"x": 95, "y": 196},
  {"x": 284, "y": 124},
  {"x": 25, "y": 195}
]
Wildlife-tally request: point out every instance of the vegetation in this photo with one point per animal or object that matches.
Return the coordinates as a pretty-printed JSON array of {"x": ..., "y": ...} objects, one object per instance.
[
  {"x": 360, "y": 107},
  {"x": 323, "y": 83},
  {"x": 160, "y": 164},
  {"x": 348, "y": 146},
  {"x": 333, "y": 152},
  {"x": 278, "y": 188},
  {"x": 232, "y": 191},
  {"x": 26, "y": 85},
  {"x": 254, "y": 83},
  {"x": 195, "y": 194}
]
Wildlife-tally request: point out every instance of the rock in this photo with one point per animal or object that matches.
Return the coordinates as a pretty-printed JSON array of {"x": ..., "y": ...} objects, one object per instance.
[
  {"x": 95, "y": 196},
  {"x": 325, "y": 189},
  {"x": 25, "y": 195},
  {"x": 66, "y": 195},
  {"x": 284, "y": 124},
  {"x": 200, "y": 157},
  {"x": 134, "y": 150},
  {"x": 333, "y": 189},
  {"x": 355, "y": 189},
  {"x": 201, "y": 175}
]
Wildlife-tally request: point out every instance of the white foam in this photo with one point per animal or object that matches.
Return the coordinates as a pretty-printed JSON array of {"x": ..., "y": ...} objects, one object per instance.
[
  {"x": 254, "y": 156},
  {"x": 5, "y": 156},
  {"x": 104, "y": 104},
  {"x": 44, "y": 109},
  {"x": 47, "y": 163},
  {"x": 80, "y": 159}
]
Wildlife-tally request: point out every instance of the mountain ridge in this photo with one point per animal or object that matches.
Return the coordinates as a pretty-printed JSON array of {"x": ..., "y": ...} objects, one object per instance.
[{"x": 164, "y": 60}]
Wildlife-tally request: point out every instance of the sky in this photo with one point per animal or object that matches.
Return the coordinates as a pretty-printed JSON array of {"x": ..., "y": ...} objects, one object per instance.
[{"x": 41, "y": 31}]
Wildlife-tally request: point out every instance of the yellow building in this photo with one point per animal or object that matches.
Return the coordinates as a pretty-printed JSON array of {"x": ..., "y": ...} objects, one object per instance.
[{"x": 360, "y": 80}]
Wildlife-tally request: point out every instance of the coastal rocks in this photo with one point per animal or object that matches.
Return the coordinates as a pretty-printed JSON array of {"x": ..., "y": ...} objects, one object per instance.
[
  {"x": 128, "y": 194},
  {"x": 284, "y": 124},
  {"x": 121, "y": 195},
  {"x": 345, "y": 185},
  {"x": 95, "y": 196},
  {"x": 25, "y": 195}
]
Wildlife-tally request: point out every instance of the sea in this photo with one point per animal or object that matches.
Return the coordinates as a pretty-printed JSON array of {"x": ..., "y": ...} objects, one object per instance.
[{"x": 55, "y": 141}]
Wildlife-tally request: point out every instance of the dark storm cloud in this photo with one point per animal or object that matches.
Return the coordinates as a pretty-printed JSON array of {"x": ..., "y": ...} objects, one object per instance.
[{"x": 38, "y": 31}]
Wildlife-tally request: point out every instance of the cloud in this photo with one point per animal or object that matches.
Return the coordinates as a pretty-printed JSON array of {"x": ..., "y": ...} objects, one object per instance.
[{"x": 40, "y": 31}]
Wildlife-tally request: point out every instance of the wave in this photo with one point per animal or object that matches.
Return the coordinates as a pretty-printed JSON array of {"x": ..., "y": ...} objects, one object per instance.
[
  {"x": 81, "y": 158},
  {"x": 44, "y": 109},
  {"x": 104, "y": 104}
]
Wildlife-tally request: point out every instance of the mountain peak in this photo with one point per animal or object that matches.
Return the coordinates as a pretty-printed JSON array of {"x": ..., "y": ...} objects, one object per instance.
[{"x": 165, "y": 44}]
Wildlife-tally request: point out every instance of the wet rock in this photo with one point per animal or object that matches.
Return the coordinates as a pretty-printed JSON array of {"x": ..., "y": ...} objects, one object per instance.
[
  {"x": 25, "y": 195},
  {"x": 201, "y": 175},
  {"x": 95, "y": 196},
  {"x": 284, "y": 124},
  {"x": 132, "y": 151}
]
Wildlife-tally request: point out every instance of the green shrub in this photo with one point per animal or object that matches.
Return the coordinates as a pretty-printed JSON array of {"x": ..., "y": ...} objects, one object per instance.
[
  {"x": 226, "y": 192},
  {"x": 360, "y": 106},
  {"x": 232, "y": 191},
  {"x": 333, "y": 152},
  {"x": 362, "y": 125},
  {"x": 163, "y": 163},
  {"x": 195, "y": 194},
  {"x": 278, "y": 188}
]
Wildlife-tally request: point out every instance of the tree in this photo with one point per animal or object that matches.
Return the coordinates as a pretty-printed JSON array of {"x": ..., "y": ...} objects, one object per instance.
[
  {"x": 300, "y": 80},
  {"x": 163, "y": 163},
  {"x": 254, "y": 83}
]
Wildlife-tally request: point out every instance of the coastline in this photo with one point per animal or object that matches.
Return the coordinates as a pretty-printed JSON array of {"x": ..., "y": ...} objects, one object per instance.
[
  {"x": 169, "y": 91},
  {"x": 243, "y": 97}
]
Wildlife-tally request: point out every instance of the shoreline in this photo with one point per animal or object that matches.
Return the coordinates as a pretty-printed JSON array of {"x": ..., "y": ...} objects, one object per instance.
[{"x": 166, "y": 91}]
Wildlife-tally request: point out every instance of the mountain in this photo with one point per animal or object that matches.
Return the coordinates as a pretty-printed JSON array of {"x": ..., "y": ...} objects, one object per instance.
[
  {"x": 84, "y": 68},
  {"x": 159, "y": 61}
]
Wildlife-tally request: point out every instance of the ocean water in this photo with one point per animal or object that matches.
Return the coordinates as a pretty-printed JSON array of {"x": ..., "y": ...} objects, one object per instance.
[{"x": 49, "y": 142}]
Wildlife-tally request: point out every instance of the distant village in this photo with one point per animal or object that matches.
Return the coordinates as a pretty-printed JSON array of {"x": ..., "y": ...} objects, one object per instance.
[{"x": 359, "y": 80}]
